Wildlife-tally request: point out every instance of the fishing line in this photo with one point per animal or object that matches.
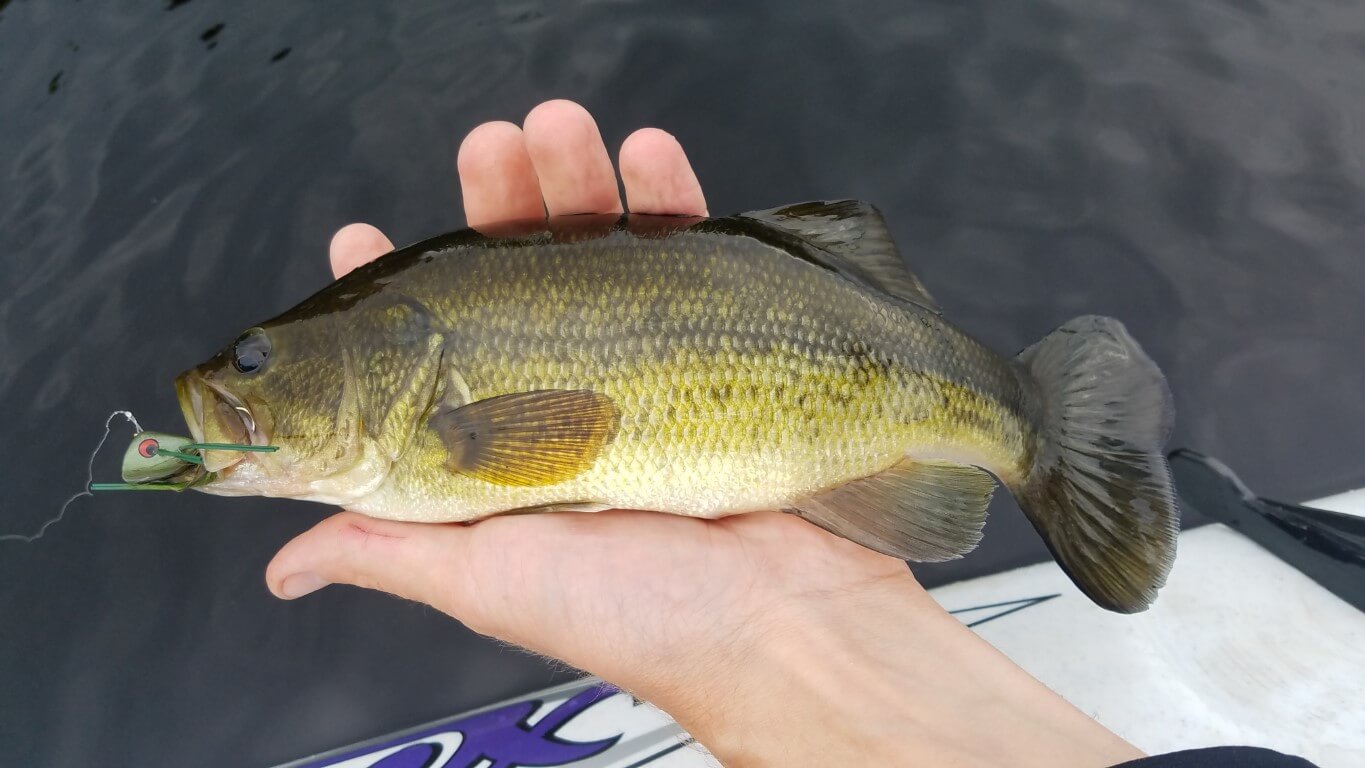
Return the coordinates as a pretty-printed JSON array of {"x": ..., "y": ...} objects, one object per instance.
[
  {"x": 89, "y": 479},
  {"x": 148, "y": 445}
]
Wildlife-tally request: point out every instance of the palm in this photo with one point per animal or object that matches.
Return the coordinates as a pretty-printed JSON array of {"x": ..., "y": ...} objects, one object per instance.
[
  {"x": 594, "y": 590},
  {"x": 632, "y": 585}
]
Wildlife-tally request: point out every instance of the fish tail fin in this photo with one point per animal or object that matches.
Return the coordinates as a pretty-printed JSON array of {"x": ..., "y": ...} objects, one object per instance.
[{"x": 1100, "y": 491}]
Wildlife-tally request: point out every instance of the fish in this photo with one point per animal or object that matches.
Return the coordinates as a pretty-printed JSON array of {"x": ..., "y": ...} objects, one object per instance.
[{"x": 784, "y": 359}]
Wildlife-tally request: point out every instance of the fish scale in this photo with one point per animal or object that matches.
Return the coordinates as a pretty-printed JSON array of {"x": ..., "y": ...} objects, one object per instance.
[{"x": 737, "y": 368}]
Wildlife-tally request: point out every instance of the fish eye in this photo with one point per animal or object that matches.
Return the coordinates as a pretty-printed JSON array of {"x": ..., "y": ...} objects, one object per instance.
[{"x": 250, "y": 351}]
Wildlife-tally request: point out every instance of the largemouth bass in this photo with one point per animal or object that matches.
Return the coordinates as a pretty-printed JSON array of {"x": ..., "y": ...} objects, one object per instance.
[{"x": 773, "y": 360}]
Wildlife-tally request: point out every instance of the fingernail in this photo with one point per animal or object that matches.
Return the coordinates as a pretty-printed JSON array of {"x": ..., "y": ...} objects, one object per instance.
[{"x": 301, "y": 584}]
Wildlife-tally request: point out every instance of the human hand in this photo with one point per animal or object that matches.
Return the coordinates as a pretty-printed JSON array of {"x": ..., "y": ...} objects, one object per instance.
[{"x": 716, "y": 621}]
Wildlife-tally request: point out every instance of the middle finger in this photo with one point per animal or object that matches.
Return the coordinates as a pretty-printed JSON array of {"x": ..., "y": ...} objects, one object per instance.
[{"x": 575, "y": 171}]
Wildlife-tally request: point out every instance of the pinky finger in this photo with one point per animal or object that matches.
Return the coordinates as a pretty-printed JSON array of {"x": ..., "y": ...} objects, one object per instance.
[{"x": 356, "y": 244}]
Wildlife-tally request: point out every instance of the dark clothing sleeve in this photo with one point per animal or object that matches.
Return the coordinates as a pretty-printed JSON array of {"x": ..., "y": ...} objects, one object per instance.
[{"x": 1220, "y": 757}]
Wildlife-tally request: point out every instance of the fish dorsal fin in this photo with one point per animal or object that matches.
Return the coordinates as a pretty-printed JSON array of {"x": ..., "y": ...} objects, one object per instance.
[
  {"x": 856, "y": 234},
  {"x": 926, "y": 511},
  {"x": 528, "y": 438}
]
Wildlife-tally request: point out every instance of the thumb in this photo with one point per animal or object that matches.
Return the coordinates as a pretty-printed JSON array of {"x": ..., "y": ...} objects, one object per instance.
[{"x": 412, "y": 560}]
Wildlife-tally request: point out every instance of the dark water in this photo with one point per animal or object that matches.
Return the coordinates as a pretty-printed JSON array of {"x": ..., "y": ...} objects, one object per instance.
[{"x": 173, "y": 171}]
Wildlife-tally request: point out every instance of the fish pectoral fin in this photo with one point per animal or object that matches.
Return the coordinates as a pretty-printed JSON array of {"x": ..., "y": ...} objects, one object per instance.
[
  {"x": 926, "y": 511},
  {"x": 528, "y": 438},
  {"x": 856, "y": 235}
]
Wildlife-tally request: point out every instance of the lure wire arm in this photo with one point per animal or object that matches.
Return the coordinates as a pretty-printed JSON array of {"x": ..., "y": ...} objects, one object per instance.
[{"x": 190, "y": 458}]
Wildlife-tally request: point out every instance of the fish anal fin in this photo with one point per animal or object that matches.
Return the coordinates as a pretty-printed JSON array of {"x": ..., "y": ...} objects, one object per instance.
[
  {"x": 925, "y": 511},
  {"x": 528, "y": 438},
  {"x": 857, "y": 235}
]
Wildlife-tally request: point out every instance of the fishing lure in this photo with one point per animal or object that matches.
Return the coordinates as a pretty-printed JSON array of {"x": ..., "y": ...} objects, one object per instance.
[{"x": 157, "y": 461}]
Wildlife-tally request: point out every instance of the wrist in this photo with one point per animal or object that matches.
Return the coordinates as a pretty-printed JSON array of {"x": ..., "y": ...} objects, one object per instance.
[{"x": 878, "y": 673}]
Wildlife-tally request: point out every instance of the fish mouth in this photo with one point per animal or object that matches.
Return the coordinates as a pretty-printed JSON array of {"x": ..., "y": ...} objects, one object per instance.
[{"x": 214, "y": 414}]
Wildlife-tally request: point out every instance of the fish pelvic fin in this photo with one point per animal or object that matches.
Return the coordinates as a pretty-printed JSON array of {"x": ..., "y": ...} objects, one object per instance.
[
  {"x": 1100, "y": 491},
  {"x": 926, "y": 511}
]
